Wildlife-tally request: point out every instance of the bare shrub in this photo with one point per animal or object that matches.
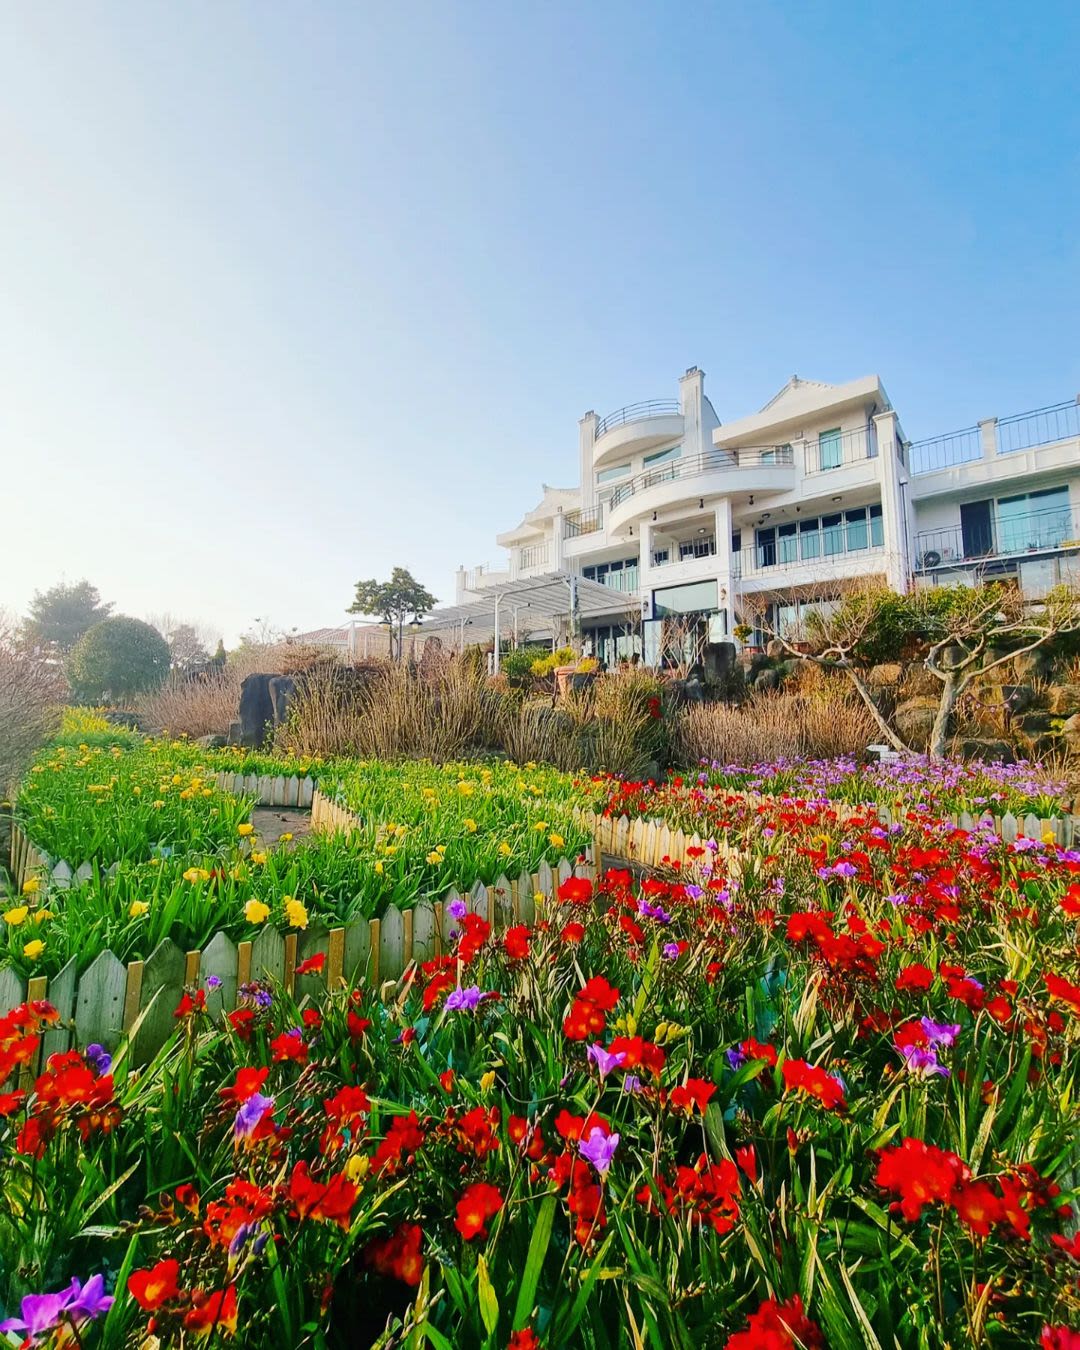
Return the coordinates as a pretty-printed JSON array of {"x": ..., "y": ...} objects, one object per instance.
[
  {"x": 820, "y": 719},
  {"x": 31, "y": 697}
]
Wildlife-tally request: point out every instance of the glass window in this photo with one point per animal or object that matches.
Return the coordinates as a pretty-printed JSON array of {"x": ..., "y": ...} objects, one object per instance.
[
  {"x": 832, "y": 529},
  {"x": 766, "y": 547},
  {"x": 659, "y": 456},
  {"x": 1033, "y": 521},
  {"x": 857, "y": 538},
  {"x": 829, "y": 448},
  {"x": 877, "y": 527},
  {"x": 787, "y": 543},
  {"x": 606, "y": 475},
  {"x": 693, "y": 598},
  {"x": 810, "y": 538},
  {"x": 659, "y": 557}
]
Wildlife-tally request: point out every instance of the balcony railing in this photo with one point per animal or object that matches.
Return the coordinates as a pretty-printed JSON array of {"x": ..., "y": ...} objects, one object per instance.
[
  {"x": 1022, "y": 431},
  {"x": 577, "y": 523},
  {"x": 835, "y": 451},
  {"x": 1038, "y": 532},
  {"x": 745, "y": 457},
  {"x": 685, "y": 550},
  {"x": 534, "y": 555},
  {"x": 637, "y": 412}
]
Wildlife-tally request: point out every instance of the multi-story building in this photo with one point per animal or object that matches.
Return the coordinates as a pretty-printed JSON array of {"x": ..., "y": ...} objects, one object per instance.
[{"x": 692, "y": 522}]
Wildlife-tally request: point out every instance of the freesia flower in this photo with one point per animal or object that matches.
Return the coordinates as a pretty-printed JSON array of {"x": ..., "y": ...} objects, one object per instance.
[
  {"x": 250, "y": 1114},
  {"x": 599, "y": 1149},
  {"x": 463, "y": 1000},
  {"x": 604, "y": 1060}
]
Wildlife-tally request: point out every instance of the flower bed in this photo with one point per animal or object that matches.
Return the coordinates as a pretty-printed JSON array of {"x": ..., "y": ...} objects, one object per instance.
[{"x": 829, "y": 1103}]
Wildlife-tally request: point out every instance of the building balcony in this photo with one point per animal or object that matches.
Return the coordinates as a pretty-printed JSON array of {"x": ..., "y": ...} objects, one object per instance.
[
  {"x": 636, "y": 429},
  {"x": 997, "y": 438},
  {"x": 1038, "y": 533},
  {"x": 716, "y": 473},
  {"x": 532, "y": 559},
  {"x": 760, "y": 568}
]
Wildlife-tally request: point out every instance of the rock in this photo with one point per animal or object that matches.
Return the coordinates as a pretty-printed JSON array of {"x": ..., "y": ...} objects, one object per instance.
[
  {"x": 282, "y": 690},
  {"x": 1033, "y": 723},
  {"x": 1070, "y": 730},
  {"x": 1065, "y": 699},
  {"x": 886, "y": 675},
  {"x": 775, "y": 649},
  {"x": 1030, "y": 666},
  {"x": 256, "y": 710},
  {"x": 1018, "y": 697},
  {"x": 915, "y": 720},
  {"x": 767, "y": 679},
  {"x": 986, "y": 748},
  {"x": 720, "y": 658},
  {"x": 235, "y": 733},
  {"x": 917, "y": 682},
  {"x": 116, "y": 717},
  {"x": 694, "y": 690},
  {"x": 212, "y": 742}
]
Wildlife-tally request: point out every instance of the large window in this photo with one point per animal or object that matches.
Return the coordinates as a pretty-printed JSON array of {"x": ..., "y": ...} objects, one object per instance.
[
  {"x": 829, "y": 443},
  {"x": 662, "y": 456},
  {"x": 621, "y": 575},
  {"x": 1034, "y": 520},
  {"x": 851, "y": 531},
  {"x": 619, "y": 471},
  {"x": 697, "y": 597}
]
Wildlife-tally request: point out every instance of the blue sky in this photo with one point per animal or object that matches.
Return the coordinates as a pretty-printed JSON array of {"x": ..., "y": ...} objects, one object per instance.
[{"x": 294, "y": 294}]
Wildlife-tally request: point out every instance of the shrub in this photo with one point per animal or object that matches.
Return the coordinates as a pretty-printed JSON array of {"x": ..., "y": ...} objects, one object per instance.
[
  {"x": 117, "y": 658},
  {"x": 31, "y": 693},
  {"x": 547, "y": 665},
  {"x": 517, "y": 665}
]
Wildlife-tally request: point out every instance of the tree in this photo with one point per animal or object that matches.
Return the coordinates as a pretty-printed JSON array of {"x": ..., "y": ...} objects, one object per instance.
[
  {"x": 961, "y": 632},
  {"x": 62, "y": 614},
  {"x": 187, "y": 650},
  {"x": 393, "y": 601},
  {"x": 118, "y": 657}
]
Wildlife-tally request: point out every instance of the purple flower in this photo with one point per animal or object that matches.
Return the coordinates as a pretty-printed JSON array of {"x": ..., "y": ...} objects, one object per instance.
[
  {"x": 89, "y": 1300},
  {"x": 599, "y": 1149},
  {"x": 648, "y": 911},
  {"x": 631, "y": 1083},
  {"x": 671, "y": 950},
  {"x": 213, "y": 981},
  {"x": 98, "y": 1058},
  {"x": 921, "y": 1062},
  {"x": 940, "y": 1033},
  {"x": 464, "y": 1000},
  {"x": 604, "y": 1060},
  {"x": 456, "y": 909},
  {"x": 250, "y": 1113},
  {"x": 693, "y": 891},
  {"x": 240, "y": 1238},
  {"x": 40, "y": 1313},
  {"x": 735, "y": 1057}
]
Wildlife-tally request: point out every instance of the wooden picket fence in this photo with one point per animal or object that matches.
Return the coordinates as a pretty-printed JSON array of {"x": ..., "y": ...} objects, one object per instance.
[{"x": 269, "y": 790}]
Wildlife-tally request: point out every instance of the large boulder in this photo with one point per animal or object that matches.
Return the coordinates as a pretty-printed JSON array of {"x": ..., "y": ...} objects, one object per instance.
[
  {"x": 720, "y": 658},
  {"x": 1071, "y": 732},
  {"x": 767, "y": 679},
  {"x": 1031, "y": 665},
  {"x": 775, "y": 649},
  {"x": 988, "y": 749},
  {"x": 1018, "y": 698},
  {"x": 887, "y": 675},
  {"x": 256, "y": 710},
  {"x": 1064, "y": 699},
  {"x": 915, "y": 719},
  {"x": 282, "y": 690},
  {"x": 917, "y": 682}
]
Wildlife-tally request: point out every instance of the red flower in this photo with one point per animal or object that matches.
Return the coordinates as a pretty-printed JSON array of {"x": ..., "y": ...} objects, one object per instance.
[
  {"x": 516, "y": 942},
  {"x": 523, "y": 1340},
  {"x": 402, "y": 1138},
  {"x": 1061, "y": 989},
  {"x": 242, "y": 1021},
  {"x": 638, "y": 1053},
  {"x": 978, "y": 1207},
  {"x": 778, "y": 1326},
  {"x": 915, "y": 977},
  {"x": 188, "y": 1006},
  {"x": 356, "y": 1026},
  {"x": 576, "y": 890},
  {"x": 151, "y": 1288},
  {"x": 572, "y": 932},
  {"x": 1059, "y": 1338},
  {"x": 330, "y": 1202},
  {"x": 759, "y": 1050},
  {"x": 399, "y": 1254},
  {"x": 799, "y": 1076},
  {"x": 920, "y": 1174},
  {"x": 312, "y": 964},
  {"x": 746, "y": 1157},
  {"x": 478, "y": 1203},
  {"x": 212, "y": 1312},
  {"x": 248, "y": 1082},
  {"x": 693, "y": 1095},
  {"x": 289, "y": 1046},
  {"x": 10, "y": 1102}
]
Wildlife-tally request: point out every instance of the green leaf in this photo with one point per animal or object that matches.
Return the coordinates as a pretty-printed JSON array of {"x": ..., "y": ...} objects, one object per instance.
[
  {"x": 489, "y": 1303},
  {"x": 534, "y": 1262}
]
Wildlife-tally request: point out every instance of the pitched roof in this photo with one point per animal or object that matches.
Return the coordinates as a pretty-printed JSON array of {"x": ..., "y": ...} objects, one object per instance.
[{"x": 792, "y": 386}]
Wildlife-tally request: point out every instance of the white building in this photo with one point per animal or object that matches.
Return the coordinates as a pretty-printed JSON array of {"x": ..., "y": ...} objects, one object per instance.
[{"x": 682, "y": 517}]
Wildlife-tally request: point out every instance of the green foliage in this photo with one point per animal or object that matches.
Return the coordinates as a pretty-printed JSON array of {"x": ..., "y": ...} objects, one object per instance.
[
  {"x": 393, "y": 601},
  {"x": 61, "y": 615},
  {"x": 117, "y": 658},
  {"x": 517, "y": 665},
  {"x": 552, "y": 661}
]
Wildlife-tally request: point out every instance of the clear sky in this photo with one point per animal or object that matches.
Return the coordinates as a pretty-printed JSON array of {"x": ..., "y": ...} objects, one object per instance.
[{"x": 292, "y": 293}]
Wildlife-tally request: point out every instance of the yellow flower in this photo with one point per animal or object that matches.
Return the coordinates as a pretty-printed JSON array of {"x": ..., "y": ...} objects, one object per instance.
[
  {"x": 540, "y": 826},
  {"x": 31, "y": 886},
  {"x": 259, "y": 858},
  {"x": 244, "y": 830},
  {"x": 556, "y": 840},
  {"x": 194, "y": 874},
  {"x": 155, "y": 862},
  {"x": 176, "y": 780},
  {"x": 33, "y": 950},
  {"x": 157, "y": 805},
  {"x": 137, "y": 908},
  {"x": 357, "y": 1167},
  {"x": 256, "y": 912},
  {"x": 470, "y": 825},
  {"x": 434, "y": 857},
  {"x": 487, "y": 1081},
  {"x": 284, "y": 838},
  {"x": 43, "y": 915},
  {"x": 379, "y": 868},
  {"x": 295, "y": 913},
  {"x": 505, "y": 849},
  {"x": 136, "y": 791},
  {"x": 539, "y": 897},
  {"x": 187, "y": 795},
  {"x": 16, "y": 916}
]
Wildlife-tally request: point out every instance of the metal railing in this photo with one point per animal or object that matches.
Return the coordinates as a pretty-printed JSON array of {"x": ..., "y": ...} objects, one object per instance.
[
  {"x": 849, "y": 447},
  {"x": 1038, "y": 532},
  {"x": 942, "y": 452},
  {"x": 626, "y": 581},
  {"x": 577, "y": 523},
  {"x": 636, "y": 412},
  {"x": 742, "y": 458},
  {"x": 534, "y": 555},
  {"x": 1044, "y": 426}
]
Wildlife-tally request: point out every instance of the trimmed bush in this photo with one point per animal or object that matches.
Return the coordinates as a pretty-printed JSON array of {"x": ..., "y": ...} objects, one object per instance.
[{"x": 117, "y": 658}]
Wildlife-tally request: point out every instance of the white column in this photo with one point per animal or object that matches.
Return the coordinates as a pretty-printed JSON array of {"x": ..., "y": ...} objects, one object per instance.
[
  {"x": 586, "y": 440},
  {"x": 691, "y": 393},
  {"x": 896, "y": 527},
  {"x": 557, "y": 525},
  {"x": 988, "y": 437},
  {"x": 724, "y": 570}
]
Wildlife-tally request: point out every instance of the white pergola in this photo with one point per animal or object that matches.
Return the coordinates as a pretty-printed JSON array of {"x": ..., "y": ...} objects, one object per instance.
[{"x": 553, "y": 596}]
